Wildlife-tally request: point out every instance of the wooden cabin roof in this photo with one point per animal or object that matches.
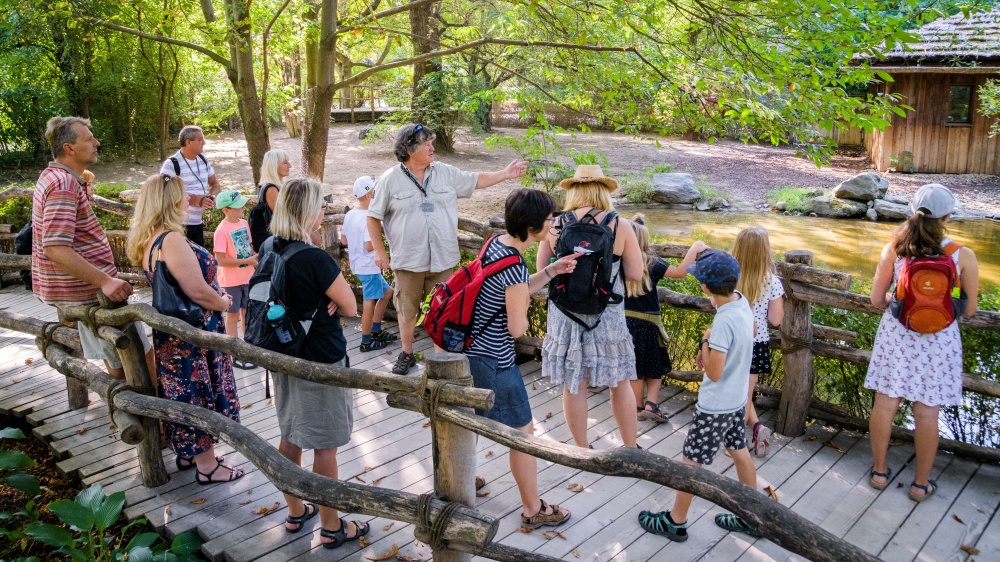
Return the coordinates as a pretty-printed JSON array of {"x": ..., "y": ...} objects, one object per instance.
[{"x": 955, "y": 41}]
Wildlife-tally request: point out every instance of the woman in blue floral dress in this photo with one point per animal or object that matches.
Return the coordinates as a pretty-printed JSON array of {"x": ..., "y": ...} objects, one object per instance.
[{"x": 186, "y": 373}]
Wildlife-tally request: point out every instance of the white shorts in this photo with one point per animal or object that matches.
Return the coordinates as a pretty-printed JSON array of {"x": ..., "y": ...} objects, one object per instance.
[{"x": 96, "y": 348}]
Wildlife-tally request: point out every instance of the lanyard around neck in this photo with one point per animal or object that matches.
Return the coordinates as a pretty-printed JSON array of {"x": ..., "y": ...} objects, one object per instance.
[
  {"x": 197, "y": 175},
  {"x": 414, "y": 179}
]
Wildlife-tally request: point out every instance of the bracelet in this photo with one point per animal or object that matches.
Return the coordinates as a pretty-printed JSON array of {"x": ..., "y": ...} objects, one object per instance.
[
  {"x": 704, "y": 341},
  {"x": 547, "y": 274}
]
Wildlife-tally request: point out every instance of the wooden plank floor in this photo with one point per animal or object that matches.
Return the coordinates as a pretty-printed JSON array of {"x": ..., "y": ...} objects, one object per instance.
[{"x": 823, "y": 476}]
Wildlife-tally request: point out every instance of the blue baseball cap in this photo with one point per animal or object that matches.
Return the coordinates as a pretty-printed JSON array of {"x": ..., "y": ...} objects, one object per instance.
[{"x": 715, "y": 268}]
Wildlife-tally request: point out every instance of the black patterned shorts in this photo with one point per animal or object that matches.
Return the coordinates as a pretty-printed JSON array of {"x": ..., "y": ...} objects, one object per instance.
[
  {"x": 708, "y": 431},
  {"x": 760, "y": 363}
]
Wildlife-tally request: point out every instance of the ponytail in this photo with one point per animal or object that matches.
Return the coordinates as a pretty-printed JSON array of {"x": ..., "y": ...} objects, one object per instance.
[
  {"x": 919, "y": 236},
  {"x": 643, "y": 286}
]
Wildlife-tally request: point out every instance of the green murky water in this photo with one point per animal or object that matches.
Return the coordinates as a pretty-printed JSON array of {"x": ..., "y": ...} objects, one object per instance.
[{"x": 850, "y": 246}]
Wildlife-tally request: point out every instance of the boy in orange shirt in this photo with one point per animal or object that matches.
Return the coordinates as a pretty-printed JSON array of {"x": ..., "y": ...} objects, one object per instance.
[{"x": 235, "y": 256}]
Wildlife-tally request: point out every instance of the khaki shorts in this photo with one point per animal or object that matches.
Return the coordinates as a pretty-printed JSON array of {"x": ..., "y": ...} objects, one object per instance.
[{"x": 410, "y": 288}]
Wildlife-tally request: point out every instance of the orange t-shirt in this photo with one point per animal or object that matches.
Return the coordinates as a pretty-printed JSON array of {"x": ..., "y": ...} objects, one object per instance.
[{"x": 233, "y": 240}]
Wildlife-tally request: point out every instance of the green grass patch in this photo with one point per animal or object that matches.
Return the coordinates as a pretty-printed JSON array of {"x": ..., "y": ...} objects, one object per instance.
[
  {"x": 707, "y": 191},
  {"x": 793, "y": 197}
]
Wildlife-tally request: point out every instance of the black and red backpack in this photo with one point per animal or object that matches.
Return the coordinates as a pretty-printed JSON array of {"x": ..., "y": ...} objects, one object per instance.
[
  {"x": 589, "y": 289},
  {"x": 451, "y": 318}
]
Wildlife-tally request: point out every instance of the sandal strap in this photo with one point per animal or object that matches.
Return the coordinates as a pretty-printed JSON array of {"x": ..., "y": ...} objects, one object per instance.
[
  {"x": 930, "y": 484},
  {"x": 885, "y": 474},
  {"x": 208, "y": 477}
]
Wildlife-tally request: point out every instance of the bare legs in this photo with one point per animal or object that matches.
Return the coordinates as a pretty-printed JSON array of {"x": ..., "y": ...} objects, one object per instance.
[
  {"x": 745, "y": 471},
  {"x": 524, "y": 467},
  {"x": 926, "y": 436},
  {"x": 622, "y": 406},
  {"x": 752, "y": 418},
  {"x": 325, "y": 464},
  {"x": 880, "y": 429},
  {"x": 651, "y": 388}
]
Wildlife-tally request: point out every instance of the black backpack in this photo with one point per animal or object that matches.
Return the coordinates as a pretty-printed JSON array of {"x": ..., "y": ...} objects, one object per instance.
[
  {"x": 177, "y": 164},
  {"x": 260, "y": 219},
  {"x": 590, "y": 288},
  {"x": 22, "y": 247},
  {"x": 267, "y": 287}
]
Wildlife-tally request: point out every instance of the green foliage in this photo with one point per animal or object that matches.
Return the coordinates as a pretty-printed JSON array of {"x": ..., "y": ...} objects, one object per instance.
[
  {"x": 902, "y": 162},
  {"x": 639, "y": 189},
  {"x": 989, "y": 103},
  {"x": 17, "y": 211},
  {"x": 11, "y": 461},
  {"x": 707, "y": 191},
  {"x": 793, "y": 197},
  {"x": 84, "y": 537}
]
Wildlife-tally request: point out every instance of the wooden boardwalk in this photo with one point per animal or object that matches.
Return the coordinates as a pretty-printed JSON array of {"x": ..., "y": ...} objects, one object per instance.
[{"x": 823, "y": 476}]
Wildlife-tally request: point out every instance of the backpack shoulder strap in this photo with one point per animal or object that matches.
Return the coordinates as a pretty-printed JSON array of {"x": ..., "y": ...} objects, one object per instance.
[
  {"x": 608, "y": 218},
  {"x": 177, "y": 165},
  {"x": 951, "y": 247},
  {"x": 590, "y": 216},
  {"x": 203, "y": 159},
  {"x": 486, "y": 245},
  {"x": 290, "y": 250}
]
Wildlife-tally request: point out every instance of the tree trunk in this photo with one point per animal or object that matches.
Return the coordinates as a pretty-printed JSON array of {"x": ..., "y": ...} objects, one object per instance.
[
  {"x": 245, "y": 85},
  {"x": 319, "y": 93},
  {"x": 425, "y": 32}
]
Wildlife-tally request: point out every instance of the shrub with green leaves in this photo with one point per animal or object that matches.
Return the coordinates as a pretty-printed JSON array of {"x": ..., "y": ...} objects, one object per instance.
[
  {"x": 11, "y": 463},
  {"x": 793, "y": 197}
]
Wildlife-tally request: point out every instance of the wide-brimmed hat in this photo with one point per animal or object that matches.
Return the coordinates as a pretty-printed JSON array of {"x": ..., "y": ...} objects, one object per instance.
[{"x": 586, "y": 173}]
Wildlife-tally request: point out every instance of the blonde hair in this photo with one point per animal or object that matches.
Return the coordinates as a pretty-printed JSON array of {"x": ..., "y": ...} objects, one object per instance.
[
  {"x": 588, "y": 194},
  {"x": 158, "y": 207},
  {"x": 299, "y": 202},
  {"x": 643, "y": 286},
  {"x": 753, "y": 252},
  {"x": 269, "y": 167}
]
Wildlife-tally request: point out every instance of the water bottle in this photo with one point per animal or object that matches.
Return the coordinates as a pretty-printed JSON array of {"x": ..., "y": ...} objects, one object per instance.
[{"x": 278, "y": 320}]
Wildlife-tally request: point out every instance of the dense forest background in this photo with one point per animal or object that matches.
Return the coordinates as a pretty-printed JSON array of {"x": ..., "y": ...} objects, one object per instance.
[{"x": 759, "y": 71}]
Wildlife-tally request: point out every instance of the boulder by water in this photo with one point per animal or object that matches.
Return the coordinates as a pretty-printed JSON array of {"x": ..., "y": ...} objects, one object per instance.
[
  {"x": 871, "y": 215},
  {"x": 674, "y": 188},
  {"x": 831, "y": 207},
  {"x": 862, "y": 187},
  {"x": 897, "y": 199},
  {"x": 889, "y": 211}
]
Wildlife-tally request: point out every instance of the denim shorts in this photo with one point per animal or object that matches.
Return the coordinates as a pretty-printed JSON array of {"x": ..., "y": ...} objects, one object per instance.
[
  {"x": 372, "y": 286},
  {"x": 511, "y": 406}
]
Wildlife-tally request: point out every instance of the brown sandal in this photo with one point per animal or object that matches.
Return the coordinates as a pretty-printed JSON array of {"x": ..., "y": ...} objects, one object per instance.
[{"x": 554, "y": 517}]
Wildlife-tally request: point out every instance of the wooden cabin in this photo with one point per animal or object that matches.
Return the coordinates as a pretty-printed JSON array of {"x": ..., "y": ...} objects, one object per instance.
[{"x": 939, "y": 78}]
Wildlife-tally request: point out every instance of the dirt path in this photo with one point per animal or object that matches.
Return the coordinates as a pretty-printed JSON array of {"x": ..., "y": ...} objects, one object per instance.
[{"x": 745, "y": 172}]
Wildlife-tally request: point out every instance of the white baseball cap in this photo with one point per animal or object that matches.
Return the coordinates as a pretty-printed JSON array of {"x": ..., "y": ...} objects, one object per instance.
[
  {"x": 363, "y": 185},
  {"x": 936, "y": 199}
]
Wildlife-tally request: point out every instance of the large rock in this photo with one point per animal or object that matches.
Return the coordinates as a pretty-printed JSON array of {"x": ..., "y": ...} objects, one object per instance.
[
  {"x": 897, "y": 199},
  {"x": 889, "y": 211},
  {"x": 862, "y": 187},
  {"x": 831, "y": 207},
  {"x": 674, "y": 189}
]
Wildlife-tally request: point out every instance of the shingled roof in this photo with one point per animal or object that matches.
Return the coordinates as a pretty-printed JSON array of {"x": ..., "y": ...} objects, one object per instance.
[{"x": 954, "y": 40}]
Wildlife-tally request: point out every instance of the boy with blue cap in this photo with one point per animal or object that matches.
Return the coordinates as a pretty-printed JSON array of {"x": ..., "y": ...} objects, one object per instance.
[
  {"x": 725, "y": 353},
  {"x": 237, "y": 260}
]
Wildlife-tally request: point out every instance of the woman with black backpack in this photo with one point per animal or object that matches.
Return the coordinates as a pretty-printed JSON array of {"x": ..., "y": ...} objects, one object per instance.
[
  {"x": 273, "y": 170},
  {"x": 587, "y": 342}
]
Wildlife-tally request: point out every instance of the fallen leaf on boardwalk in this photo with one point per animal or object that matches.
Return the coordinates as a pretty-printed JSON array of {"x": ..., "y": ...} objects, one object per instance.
[
  {"x": 265, "y": 510},
  {"x": 482, "y": 494},
  {"x": 198, "y": 501},
  {"x": 576, "y": 488},
  {"x": 363, "y": 542},
  {"x": 564, "y": 441},
  {"x": 270, "y": 401},
  {"x": 770, "y": 491},
  {"x": 899, "y": 485},
  {"x": 971, "y": 550},
  {"x": 832, "y": 446},
  {"x": 428, "y": 424},
  {"x": 392, "y": 552},
  {"x": 896, "y": 443},
  {"x": 359, "y": 478},
  {"x": 247, "y": 406},
  {"x": 250, "y": 491},
  {"x": 812, "y": 437},
  {"x": 407, "y": 559},
  {"x": 32, "y": 391},
  {"x": 533, "y": 387},
  {"x": 388, "y": 353},
  {"x": 246, "y": 502},
  {"x": 547, "y": 536},
  {"x": 343, "y": 323},
  {"x": 15, "y": 381},
  {"x": 377, "y": 480},
  {"x": 576, "y": 553},
  {"x": 28, "y": 361},
  {"x": 980, "y": 510},
  {"x": 560, "y": 535},
  {"x": 389, "y": 526},
  {"x": 525, "y": 530},
  {"x": 957, "y": 518},
  {"x": 369, "y": 469},
  {"x": 81, "y": 431},
  {"x": 166, "y": 510},
  {"x": 548, "y": 415},
  {"x": 488, "y": 454}
]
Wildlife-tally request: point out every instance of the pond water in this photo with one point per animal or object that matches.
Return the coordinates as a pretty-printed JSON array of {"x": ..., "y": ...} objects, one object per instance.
[{"x": 851, "y": 246}]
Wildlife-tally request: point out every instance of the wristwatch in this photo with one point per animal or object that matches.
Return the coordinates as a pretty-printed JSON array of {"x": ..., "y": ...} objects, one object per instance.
[{"x": 704, "y": 341}]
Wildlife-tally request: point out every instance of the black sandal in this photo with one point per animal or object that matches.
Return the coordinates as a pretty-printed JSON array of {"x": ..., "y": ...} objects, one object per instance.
[
  {"x": 310, "y": 511},
  {"x": 654, "y": 412},
  {"x": 234, "y": 474},
  {"x": 340, "y": 537},
  {"x": 186, "y": 463}
]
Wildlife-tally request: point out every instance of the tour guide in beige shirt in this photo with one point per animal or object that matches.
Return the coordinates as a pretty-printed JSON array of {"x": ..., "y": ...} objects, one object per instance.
[{"x": 417, "y": 202}]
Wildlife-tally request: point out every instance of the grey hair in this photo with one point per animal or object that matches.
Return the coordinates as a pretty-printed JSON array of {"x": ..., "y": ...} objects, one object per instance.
[
  {"x": 187, "y": 134},
  {"x": 408, "y": 138},
  {"x": 59, "y": 131}
]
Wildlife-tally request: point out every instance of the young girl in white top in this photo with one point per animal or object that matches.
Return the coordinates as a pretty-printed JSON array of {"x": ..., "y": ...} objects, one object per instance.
[{"x": 760, "y": 285}]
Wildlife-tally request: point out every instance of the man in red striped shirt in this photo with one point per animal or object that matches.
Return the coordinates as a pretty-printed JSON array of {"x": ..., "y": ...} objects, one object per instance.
[{"x": 71, "y": 257}]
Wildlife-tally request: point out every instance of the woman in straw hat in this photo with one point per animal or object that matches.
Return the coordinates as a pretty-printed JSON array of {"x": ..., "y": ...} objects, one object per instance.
[{"x": 575, "y": 356}]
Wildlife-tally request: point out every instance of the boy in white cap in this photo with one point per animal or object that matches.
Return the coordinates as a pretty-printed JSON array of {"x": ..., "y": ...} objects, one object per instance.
[
  {"x": 237, "y": 260},
  {"x": 375, "y": 291}
]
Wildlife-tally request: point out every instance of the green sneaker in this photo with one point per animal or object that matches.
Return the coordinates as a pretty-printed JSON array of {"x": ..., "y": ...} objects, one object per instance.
[
  {"x": 373, "y": 346},
  {"x": 735, "y": 523},
  {"x": 661, "y": 524},
  {"x": 384, "y": 335}
]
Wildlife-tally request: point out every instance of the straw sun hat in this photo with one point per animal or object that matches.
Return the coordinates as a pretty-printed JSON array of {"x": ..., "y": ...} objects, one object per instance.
[{"x": 589, "y": 173}]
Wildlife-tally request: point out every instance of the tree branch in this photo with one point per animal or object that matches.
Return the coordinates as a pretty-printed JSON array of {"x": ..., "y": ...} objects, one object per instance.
[
  {"x": 265, "y": 73},
  {"x": 205, "y": 51},
  {"x": 383, "y": 14}
]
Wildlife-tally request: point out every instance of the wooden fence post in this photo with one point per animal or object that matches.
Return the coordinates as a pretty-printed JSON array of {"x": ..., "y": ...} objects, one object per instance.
[
  {"x": 137, "y": 375},
  {"x": 76, "y": 390},
  {"x": 796, "y": 337},
  {"x": 453, "y": 448}
]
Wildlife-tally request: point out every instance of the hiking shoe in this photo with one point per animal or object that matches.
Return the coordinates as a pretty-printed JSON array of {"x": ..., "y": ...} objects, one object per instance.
[
  {"x": 661, "y": 524},
  {"x": 403, "y": 363},
  {"x": 735, "y": 523},
  {"x": 761, "y": 440},
  {"x": 384, "y": 335},
  {"x": 373, "y": 345}
]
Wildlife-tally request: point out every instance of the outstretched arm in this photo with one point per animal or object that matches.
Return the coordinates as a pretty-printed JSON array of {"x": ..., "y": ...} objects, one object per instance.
[{"x": 513, "y": 171}]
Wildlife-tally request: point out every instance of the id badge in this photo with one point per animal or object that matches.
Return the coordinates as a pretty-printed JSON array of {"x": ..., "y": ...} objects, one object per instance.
[{"x": 427, "y": 207}]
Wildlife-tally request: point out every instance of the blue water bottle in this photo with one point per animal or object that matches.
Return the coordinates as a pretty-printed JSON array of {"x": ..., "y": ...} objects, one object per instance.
[{"x": 278, "y": 320}]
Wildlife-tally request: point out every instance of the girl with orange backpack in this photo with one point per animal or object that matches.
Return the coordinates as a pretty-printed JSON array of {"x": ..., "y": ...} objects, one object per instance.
[{"x": 921, "y": 366}]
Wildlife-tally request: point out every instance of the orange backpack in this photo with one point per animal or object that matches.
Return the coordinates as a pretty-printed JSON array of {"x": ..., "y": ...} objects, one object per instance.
[{"x": 927, "y": 296}]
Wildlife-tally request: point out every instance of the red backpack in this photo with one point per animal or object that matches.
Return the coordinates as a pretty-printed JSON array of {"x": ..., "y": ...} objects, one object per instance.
[
  {"x": 451, "y": 317},
  {"x": 926, "y": 298}
]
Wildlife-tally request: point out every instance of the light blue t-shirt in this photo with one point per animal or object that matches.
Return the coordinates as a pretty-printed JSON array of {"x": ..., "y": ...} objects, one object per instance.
[{"x": 732, "y": 333}]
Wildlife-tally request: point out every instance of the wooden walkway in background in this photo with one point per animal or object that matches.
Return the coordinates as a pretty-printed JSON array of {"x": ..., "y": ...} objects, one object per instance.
[{"x": 823, "y": 476}]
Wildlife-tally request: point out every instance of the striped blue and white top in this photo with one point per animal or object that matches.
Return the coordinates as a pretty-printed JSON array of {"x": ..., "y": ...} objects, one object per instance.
[{"x": 494, "y": 340}]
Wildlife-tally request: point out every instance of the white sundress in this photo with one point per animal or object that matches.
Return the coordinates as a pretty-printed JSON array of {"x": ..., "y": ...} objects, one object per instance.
[{"x": 925, "y": 368}]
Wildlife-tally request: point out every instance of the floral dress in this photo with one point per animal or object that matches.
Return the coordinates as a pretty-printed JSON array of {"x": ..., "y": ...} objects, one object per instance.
[{"x": 193, "y": 375}]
